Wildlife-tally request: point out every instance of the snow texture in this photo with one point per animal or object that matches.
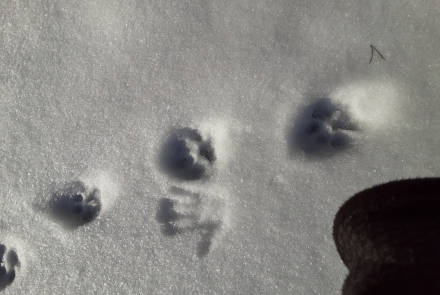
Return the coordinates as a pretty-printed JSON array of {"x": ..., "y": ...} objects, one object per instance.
[{"x": 203, "y": 147}]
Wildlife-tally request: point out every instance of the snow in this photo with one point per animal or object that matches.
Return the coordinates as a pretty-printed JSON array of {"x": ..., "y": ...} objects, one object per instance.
[{"x": 92, "y": 91}]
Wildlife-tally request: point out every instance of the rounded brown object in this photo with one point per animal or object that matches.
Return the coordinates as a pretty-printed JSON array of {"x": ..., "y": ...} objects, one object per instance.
[{"x": 389, "y": 238}]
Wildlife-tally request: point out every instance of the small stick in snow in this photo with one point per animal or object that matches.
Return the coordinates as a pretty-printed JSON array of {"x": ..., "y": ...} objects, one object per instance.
[{"x": 374, "y": 48}]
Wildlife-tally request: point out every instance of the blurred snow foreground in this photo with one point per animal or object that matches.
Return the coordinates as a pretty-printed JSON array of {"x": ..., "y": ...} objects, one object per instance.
[{"x": 203, "y": 147}]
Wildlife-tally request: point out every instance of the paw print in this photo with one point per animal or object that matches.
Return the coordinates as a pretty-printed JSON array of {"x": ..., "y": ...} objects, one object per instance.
[
  {"x": 75, "y": 205},
  {"x": 325, "y": 127},
  {"x": 183, "y": 213},
  {"x": 187, "y": 156},
  {"x": 8, "y": 264}
]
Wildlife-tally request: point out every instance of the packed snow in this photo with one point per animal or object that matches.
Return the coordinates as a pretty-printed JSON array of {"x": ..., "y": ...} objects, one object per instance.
[{"x": 203, "y": 147}]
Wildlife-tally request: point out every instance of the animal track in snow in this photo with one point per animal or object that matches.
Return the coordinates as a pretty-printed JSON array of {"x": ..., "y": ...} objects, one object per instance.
[
  {"x": 185, "y": 212},
  {"x": 75, "y": 204},
  {"x": 324, "y": 128},
  {"x": 8, "y": 264},
  {"x": 187, "y": 155}
]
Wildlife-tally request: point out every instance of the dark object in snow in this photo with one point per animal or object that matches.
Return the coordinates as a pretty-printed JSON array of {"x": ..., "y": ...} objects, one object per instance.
[
  {"x": 389, "y": 238},
  {"x": 323, "y": 128},
  {"x": 372, "y": 51},
  {"x": 8, "y": 263},
  {"x": 186, "y": 155},
  {"x": 75, "y": 205}
]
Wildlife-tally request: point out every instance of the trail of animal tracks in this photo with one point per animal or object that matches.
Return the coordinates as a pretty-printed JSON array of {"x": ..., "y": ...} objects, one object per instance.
[{"x": 199, "y": 147}]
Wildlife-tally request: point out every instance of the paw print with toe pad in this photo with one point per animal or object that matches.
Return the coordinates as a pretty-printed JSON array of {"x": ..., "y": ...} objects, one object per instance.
[
  {"x": 325, "y": 127},
  {"x": 8, "y": 264},
  {"x": 75, "y": 204},
  {"x": 187, "y": 155}
]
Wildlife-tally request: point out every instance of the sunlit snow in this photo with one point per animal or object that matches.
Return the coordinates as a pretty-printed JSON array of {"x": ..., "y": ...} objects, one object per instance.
[{"x": 203, "y": 147}]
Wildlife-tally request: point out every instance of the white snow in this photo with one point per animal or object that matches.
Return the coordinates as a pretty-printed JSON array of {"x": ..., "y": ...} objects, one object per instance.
[{"x": 91, "y": 91}]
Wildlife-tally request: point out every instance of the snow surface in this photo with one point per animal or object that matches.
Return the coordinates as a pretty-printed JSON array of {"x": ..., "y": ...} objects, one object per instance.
[{"x": 283, "y": 91}]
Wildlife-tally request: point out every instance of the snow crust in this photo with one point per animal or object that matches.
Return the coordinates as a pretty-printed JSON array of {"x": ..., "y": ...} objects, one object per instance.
[{"x": 282, "y": 93}]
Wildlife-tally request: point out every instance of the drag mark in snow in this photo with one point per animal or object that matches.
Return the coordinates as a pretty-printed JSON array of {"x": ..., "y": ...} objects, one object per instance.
[{"x": 185, "y": 211}]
